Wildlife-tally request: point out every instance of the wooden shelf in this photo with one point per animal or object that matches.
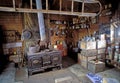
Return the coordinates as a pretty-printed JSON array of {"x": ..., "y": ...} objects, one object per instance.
[{"x": 58, "y": 27}]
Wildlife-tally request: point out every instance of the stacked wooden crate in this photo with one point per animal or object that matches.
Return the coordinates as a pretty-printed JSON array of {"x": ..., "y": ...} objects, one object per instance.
[
  {"x": 92, "y": 51},
  {"x": 95, "y": 67},
  {"x": 83, "y": 60}
]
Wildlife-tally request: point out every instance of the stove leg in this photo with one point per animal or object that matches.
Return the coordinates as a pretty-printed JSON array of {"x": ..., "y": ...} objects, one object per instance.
[{"x": 29, "y": 73}]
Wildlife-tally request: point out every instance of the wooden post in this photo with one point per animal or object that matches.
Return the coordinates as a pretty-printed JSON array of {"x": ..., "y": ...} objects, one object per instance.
[
  {"x": 60, "y": 5},
  {"x": 30, "y": 4},
  {"x": 83, "y": 7},
  {"x": 46, "y": 4},
  {"x": 14, "y": 4},
  {"x": 72, "y": 6}
]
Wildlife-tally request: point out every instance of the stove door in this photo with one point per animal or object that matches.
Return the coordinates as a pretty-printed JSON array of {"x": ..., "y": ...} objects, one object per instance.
[
  {"x": 36, "y": 62},
  {"x": 46, "y": 60},
  {"x": 56, "y": 58}
]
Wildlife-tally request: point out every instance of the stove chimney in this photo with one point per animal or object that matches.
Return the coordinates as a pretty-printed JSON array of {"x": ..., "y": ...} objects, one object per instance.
[{"x": 41, "y": 21}]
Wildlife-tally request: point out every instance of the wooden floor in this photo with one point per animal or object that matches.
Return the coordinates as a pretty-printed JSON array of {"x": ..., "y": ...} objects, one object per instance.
[
  {"x": 67, "y": 62},
  {"x": 71, "y": 71}
]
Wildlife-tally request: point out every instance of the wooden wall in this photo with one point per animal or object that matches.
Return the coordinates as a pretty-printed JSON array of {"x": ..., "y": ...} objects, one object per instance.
[
  {"x": 76, "y": 33},
  {"x": 14, "y": 21},
  {"x": 11, "y": 21},
  {"x": 93, "y": 27}
]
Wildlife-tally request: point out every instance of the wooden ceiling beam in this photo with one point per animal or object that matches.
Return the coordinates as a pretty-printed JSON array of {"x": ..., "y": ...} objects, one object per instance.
[
  {"x": 45, "y": 11},
  {"x": 87, "y": 1},
  {"x": 7, "y": 9},
  {"x": 30, "y": 10}
]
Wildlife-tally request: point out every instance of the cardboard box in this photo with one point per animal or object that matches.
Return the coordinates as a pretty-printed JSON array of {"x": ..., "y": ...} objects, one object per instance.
[
  {"x": 101, "y": 44},
  {"x": 102, "y": 36}
]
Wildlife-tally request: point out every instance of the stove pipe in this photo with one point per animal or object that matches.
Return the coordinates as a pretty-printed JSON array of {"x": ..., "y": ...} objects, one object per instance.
[{"x": 41, "y": 21}]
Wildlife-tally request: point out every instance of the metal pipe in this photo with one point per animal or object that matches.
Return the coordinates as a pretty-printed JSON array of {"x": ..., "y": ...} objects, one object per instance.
[{"x": 41, "y": 21}]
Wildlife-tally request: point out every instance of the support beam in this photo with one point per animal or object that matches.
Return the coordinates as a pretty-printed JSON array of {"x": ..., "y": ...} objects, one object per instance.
[
  {"x": 8, "y": 9},
  {"x": 60, "y": 5},
  {"x": 24, "y": 10},
  {"x": 72, "y": 7},
  {"x": 87, "y": 1},
  {"x": 30, "y": 10},
  {"x": 46, "y": 4},
  {"x": 13, "y": 4},
  {"x": 83, "y": 6},
  {"x": 31, "y": 4},
  {"x": 57, "y": 12}
]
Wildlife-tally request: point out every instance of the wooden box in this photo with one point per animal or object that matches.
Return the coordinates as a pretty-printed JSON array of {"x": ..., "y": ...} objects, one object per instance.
[
  {"x": 101, "y": 44},
  {"x": 83, "y": 60},
  {"x": 88, "y": 45},
  {"x": 83, "y": 45},
  {"x": 84, "y": 64},
  {"x": 89, "y": 53},
  {"x": 96, "y": 66},
  {"x": 15, "y": 58},
  {"x": 91, "y": 45},
  {"x": 101, "y": 51}
]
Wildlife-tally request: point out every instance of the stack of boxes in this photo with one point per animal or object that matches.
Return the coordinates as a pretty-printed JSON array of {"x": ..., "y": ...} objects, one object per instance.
[{"x": 91, "y": 54}]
